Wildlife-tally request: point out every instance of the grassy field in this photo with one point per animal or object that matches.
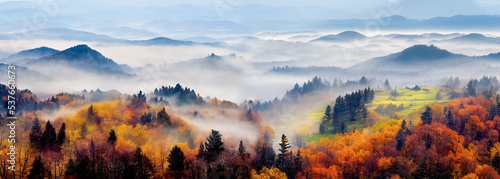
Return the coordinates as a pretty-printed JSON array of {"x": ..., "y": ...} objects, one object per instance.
[{"x": 412, "y": 101}]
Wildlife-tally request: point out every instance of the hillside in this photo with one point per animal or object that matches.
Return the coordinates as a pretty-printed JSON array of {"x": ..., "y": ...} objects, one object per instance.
[{"x": 85, "y": 58}]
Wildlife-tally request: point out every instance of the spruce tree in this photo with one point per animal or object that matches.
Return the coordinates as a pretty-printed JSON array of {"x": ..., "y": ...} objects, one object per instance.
[
  {"x": 328, "y": 113},
  {"x": 214, "y": 146},
  {"x": 449, "y": 119},
  {"x": 61, "y": 135},
  {"x": 163, "y": 117},
  {"x": 201, "y": 151},
  {"x": 49, "y": 136},
  {"x": 242, "y": 151},
  {"x": 285, "y": 145},
  {"x": 36, "y": 135},
  {"x": 38, "y": 170},
  {"x": 426, "y": 116},
  {"x": 283, "y": 162},
  {"x": 112, "y": 137},
  {"x": 176, "y": 159},
  {"x": 401, "y": 136}
]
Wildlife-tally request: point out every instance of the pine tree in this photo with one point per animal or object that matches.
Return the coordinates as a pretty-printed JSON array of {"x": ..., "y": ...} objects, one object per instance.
[
  {"x": 449, "y": 119},
  {"x": 214, "y": 146},
  {"x": 285, "y": 145},
  {"x": 328, "y": 113},
  {"x": 163, "y": 117},
  {"x": 201, "y": 152},
  {"x": 176, "y": 159},
  {"x": 112, "y": 137},
  {"x": 297, "y": 161},
  {"x": 143, "y": 167},
  {"x": 61, "y": 135},
  {"x": 242, "y": 151},
  {"x": 387, "y": 86},
  {"x": 90, "y": 112},
  {"x": 38, "y": 170},
  {"x": 265, "y": 156},
  {"x": 401, "y": 136},
  {"x": 70, "y": 168},
  {"x": 426, "y": 116},
  {"x": 49, "y": 136},
  {"x": 283, "y": 162},
  {"x": 471, "y": 88},
  {"x": 36, "y": 135}
]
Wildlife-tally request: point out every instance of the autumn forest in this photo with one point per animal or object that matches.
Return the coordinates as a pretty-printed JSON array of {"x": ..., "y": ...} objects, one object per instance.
[{"x": 100, "y": 134}]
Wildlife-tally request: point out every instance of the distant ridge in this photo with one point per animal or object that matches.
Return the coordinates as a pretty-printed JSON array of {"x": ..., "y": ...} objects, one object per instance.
[
  {"x": 342, "y": 37},
  {"x": 28, "y": 55},
  {"x": 85, "y": 58},
  {"x": 415, "y": 57}
]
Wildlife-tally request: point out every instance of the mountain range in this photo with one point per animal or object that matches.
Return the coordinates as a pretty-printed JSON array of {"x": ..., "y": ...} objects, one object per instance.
[
  {"x": 70, "y": 34},
  {"x": 413, "y": 59},
  {"x": 423, "y": 57}
]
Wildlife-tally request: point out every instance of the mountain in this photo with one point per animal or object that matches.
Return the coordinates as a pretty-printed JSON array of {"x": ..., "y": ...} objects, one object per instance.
[
  {"x": 160, "y": 41},
  {"x": 475, "y": 38},
  {"x": 493, "y": 55},
  {"x": 342, "y": 37},
  {"x": 29, "y": 55},
  {"x": 84, "y": 58},
  {"x": 70, "y": 34},
  {"x": 59, "y": 34},
  {"x": 472, "y": 22},
  {"x": 215, "y": 62},
  {"x": 418, "y": 57}
]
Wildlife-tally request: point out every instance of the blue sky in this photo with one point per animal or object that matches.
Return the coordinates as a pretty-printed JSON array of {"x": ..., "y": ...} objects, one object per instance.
[{"x": 296, "y": 9}]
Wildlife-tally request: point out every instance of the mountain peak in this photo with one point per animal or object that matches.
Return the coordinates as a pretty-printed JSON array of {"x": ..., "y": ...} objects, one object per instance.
[
  {"x": 423, "y": 52},
  {"x": 343, "y": 36},
  {"x": 83, "y": 57},
  {"x": 350, "y": 34}
]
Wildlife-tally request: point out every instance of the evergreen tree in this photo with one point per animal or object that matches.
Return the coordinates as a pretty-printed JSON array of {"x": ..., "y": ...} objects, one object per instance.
[
  {"x": 90, "y": 112},
  {"x": 328, "y": 113},
  {"x": 38, "y": 170},
  {"x": 363, "y": 81},
  {"x": 283, "y": 162},
  {"x": 201, "y": 151},
  {"x": 249, "y": 115},
  {"x": 342, "y": 127},
  {"x": 471, "y": 88},
  {"x": 265, "y": 156},
  {"x": 143, "y": 167},
  {"x": 61, "y": 135},
  {"x": 70, "y": 168},
  {"x": 297, "y": 161},
  {"x": 401, "y": 136},
  {"x": 426, "y": 116},
  {"x": 176, "y": 159},
  {"x": 242, "y": 151},
  {"x": 163, "y": 117},
  {"x": 36, "y": 135},
  {"x": 112, "y": 137},
  {"x": 49, "y": 136},
  {"x": 145, "y": 118},
  {"x": 387, "y": 86},
  {"x": 449, "y": 119},
  {"x": 214, "y": 146},
  {"x": 285, "y": 145}
]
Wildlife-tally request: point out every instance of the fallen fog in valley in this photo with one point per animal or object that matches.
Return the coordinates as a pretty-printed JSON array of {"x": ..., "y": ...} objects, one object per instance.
[{"x": 241, "y": 68}]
